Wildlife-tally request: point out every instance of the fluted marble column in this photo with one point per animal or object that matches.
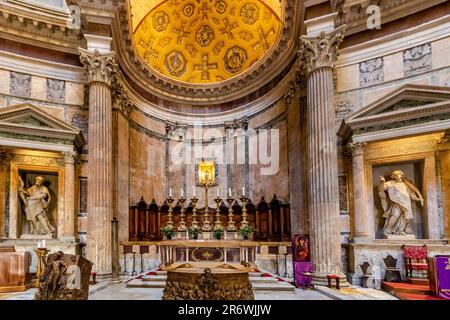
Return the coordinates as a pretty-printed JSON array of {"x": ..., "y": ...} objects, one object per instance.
[
  {"x": 100, "y": 71},
  {"x": 443, "y": 149},
  {"x": 69, "y": 195},
  {"x": 320, "y": 53},
  {"x": 359, "y": 190},
  {"x": 4, "y": 161}
]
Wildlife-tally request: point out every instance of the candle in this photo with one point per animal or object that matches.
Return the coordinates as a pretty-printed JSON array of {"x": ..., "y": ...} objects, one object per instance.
[
  {"x": 243, "y": 191},
  {"x": 194, "y": 190},
  {"x": 39, "y": 244},
  {"x": 218, "y": 192},
  {"x": 182, "y": 192},
  {"x": 43, "y": 244},
  {"x": 229, "y": 192},
  {"x": 170, "y": 192}
]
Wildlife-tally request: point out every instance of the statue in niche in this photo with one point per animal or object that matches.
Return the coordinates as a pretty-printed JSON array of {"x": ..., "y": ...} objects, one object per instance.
[
  {"x": 36, "y": 200},
  {"x": 396, "y": 198}
]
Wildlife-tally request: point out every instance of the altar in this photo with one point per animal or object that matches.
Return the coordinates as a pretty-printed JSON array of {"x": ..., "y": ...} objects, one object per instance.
[{"x": 194, "y": 251}]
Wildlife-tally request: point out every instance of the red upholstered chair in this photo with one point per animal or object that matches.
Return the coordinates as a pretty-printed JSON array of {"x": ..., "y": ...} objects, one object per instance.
[{"x": 416, "y": 259}]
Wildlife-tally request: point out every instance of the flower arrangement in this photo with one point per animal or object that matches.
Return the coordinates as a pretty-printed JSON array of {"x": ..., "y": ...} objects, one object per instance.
[
  {"x": 246, "y": 231},
  {"x": 194, "y": 232},
  {"x": 218, "y": 233},
  {"x": 168, "y": 232}
]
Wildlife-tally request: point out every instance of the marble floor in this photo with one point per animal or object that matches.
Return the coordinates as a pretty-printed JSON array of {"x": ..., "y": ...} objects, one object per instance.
[{"x": 119, "y": 291}]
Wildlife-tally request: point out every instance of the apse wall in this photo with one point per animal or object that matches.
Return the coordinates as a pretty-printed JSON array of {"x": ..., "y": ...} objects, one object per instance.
[{"x": 152, "y": 150}]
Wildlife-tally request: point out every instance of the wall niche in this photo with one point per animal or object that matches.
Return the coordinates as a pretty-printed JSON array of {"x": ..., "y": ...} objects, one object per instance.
[
  {"x": 51, "y": 183},
  {"x": 414, "y": 172}
]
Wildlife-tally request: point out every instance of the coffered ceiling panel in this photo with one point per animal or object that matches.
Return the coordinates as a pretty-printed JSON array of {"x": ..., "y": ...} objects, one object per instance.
[{"x": 204, "y": 41}]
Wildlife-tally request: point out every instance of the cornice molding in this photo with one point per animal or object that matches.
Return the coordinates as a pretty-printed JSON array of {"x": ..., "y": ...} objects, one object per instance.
[
  {"x": 38, "y": 26},
  {"x": 393, "y": 43},
  {"x": 355, "y": 17},
  {"x": 40, "y": 68}
]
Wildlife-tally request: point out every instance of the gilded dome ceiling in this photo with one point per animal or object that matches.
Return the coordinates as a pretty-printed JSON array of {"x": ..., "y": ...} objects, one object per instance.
[{"x": 204, "y": 41}]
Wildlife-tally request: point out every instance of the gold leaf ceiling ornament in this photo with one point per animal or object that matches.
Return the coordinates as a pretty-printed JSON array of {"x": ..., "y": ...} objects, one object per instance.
[{"x": 204, "y": 41}]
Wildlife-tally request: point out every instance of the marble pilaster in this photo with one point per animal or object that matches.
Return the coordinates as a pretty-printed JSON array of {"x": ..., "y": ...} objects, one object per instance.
[
  {"x": 359, "y": 191},
  {"x": 4, "y": 158},
  {"x": 70, "y": 217},
  {"x": 101, "y": 68},
  {"x": 443, "y": 148},
  {"x": 319, "y": 53}
]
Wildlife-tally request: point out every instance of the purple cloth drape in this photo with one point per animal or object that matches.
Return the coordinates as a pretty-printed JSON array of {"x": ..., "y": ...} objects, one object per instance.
[
  {"x": 299, "y": 268},
  {"x": 443, "y": 276}
]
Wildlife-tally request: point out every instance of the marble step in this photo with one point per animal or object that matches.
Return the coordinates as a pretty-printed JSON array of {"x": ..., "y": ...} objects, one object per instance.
[
  {"x": 258, "y": 283},
  {"x": 252, "y": 279},
  {"x": 138, "y": 283},
  {"x": 277, "y": 286},
  {"x": 254, "y": 274},
  {"x": 263, "y": 280},
  {"x": 154, "y": 278}
]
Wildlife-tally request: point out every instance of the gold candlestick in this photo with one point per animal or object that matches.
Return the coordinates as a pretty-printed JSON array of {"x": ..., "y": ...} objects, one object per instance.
[
  {"x": 244, "y": 222},
  {"x": 182, "y": 224},
  {"x": 194, "y": 224},
  {"x": 41, "y": 263},
  {"x": 217, "y": 223},
  {"x": 231, "y": 226},
  {"x": 170, "y": 215},
  {"x": 206, "y": 223}
]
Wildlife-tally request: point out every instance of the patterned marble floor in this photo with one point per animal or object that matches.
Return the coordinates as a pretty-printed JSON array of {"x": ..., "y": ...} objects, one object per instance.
[{"x": 119, "y": 291}]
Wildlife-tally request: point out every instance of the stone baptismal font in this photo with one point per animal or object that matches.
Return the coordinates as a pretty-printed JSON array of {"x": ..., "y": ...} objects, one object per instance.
[{"x": 220, "y": 283}]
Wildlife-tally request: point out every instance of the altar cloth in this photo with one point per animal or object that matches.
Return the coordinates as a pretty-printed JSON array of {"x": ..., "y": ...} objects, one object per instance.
[{"x": 300, "y": 279}]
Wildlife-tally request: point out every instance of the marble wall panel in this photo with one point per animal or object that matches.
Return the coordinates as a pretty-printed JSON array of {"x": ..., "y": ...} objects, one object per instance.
[
  {"x": 147, "y": 167},
  {"x": 38, "y": 88},
  {"x": 80, "y": 120},
  {"x": 278, "y": 182},
  {"x": 5, "y": 80},
  {"x": 441, "y": 53},
  {"x": 272, "y": 112},
  {"x": 393, "y": 67},
  {"x": 56, "y": 90},
  {"x": 75, "y": 93},
  {"x": 148, "y": 122},
  {"x": 417, "y": 60},
  {"x": 346, "y": 78},
  {"x": 371, "y": 72},
  {"x": 20, "y": 84}
]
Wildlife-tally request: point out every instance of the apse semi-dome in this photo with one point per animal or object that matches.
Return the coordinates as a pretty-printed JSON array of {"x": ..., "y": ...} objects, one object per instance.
[{"x": 204, "y": 41}]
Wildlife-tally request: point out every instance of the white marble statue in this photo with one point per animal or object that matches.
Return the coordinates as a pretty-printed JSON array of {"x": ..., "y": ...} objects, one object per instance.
[
  {"x": 36, "y": 201},
  {"x": 396, "y": 198}
]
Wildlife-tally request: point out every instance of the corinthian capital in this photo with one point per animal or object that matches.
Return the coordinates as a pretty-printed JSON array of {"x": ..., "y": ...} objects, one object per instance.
[
  {"x": 99, "y": 67},
  {"x": 321, "y": 51},
  {"x": 70, "y": 156},
  {"x": 357, "y": 148}
]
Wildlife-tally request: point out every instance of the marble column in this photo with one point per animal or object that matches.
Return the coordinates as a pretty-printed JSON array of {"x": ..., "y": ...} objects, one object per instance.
[
  {"x": 319, "y": 54},
  {"x": 70, "y": 217},
  {"x": 4, "y": 160},
  {"x": 443, "y": 151},
  {"x": 359, "y": 191},
  {"x": 100, "y": 68}
]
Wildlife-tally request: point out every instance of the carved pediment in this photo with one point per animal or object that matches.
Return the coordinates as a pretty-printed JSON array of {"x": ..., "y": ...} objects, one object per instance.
[
  {"x": 29, "y": 120},
  {"x": 406, "y": 106}
]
